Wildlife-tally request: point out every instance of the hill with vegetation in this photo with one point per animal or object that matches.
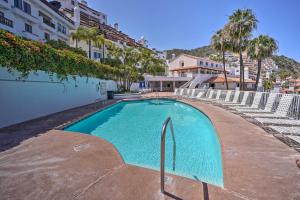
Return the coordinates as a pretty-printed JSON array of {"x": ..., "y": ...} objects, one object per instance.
[{"x": 287, "y": 66}]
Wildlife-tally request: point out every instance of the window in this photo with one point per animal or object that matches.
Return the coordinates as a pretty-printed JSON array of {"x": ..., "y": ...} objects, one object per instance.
[
  {"x": 217, "y": 65},
  {"x": 28, "y": 28},
  {"x": 211, "y": 64},
  {"x": 61, "y": 28},
  {"x": 206, "y": 63},
  {"x": 1, "y": 14},
  {"x": 182, "y": 63},
  {"x": 18, "y": 3},
  {"x": 73, "y": 3},
  {"x": 201, "y": 62},
  {"x": 97, "y": 55},
  {"x": 27, "y": 7},
  {"x": 46, "y": 36}
]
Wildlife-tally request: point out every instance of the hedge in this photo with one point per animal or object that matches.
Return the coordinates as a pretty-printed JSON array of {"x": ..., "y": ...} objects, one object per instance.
[{"x": 27, "y": 55}]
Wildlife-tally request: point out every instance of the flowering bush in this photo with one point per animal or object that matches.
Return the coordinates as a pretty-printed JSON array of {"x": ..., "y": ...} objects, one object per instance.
[{"x": 27, "y": 55}]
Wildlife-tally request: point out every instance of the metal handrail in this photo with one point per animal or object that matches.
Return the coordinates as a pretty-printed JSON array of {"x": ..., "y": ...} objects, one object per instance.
[{"x": 162, "y": 152}]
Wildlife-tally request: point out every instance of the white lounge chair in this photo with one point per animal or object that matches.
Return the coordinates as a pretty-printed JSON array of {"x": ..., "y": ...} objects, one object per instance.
[
  {"x": 218, "y": 94},
  {"x": 243, "y": 102},
  {"x": 286, "y": 130},
  {"x": 294, "y": 138},
  {"x": 227, "y": 97},
  {"x": 176, "y": 92},
  {"x": 199, "y": 95},
  {"x": 181, "y": 90},
  {"x": 293, "y": 122},
  {"x": 192, "y": 93},
  {"x": 254, "y": 105},
  {"x": 268, "y": 106},
  {"x": 235, "y": 99},
  {"x": 209, "y": 95},
  {"x": 281, "y": 111}
]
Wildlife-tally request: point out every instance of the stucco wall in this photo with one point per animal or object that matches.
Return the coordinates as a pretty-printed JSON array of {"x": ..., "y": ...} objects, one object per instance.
[
  {"x": 188, "y": 62},
  {"x": 38, "y": 95}
]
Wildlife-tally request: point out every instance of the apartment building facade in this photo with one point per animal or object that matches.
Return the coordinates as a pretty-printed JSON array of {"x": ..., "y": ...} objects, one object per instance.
[
  {"x": 87, "y": 17},
  {"x": 35, "y": 19}
]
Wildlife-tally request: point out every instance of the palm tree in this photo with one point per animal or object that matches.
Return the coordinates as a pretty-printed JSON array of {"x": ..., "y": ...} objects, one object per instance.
[
  {"x": 78, "y": 35},
  {"x": 101, "y": 42},
  {"x": 241, "y": 24},
  {"x": 89, "y": 36},
  {"x": 261, "y": 48},
  {"x": 220, "y": 43}
]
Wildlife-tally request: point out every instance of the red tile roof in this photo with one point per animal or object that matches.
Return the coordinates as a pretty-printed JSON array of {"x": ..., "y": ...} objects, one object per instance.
[{"x": 221, "y": 79}]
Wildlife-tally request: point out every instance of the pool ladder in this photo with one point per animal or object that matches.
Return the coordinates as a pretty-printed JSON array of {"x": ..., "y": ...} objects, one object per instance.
[{"x": 162, "y": 152}]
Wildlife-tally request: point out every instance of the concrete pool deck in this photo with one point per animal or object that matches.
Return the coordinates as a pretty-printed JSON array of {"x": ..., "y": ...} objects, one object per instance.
[{"x": 53, "y": 164}]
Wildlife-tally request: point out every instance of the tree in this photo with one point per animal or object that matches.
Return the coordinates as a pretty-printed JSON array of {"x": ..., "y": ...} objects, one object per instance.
[
  {"x": 101, "y": 42},
  {"x": 89, "y": 35},
  {"x": 221, "y": 43},
  {"x": 129, "y": 58},
  {"x": 78, "y": 35},
  {"x": 241, "y": 24},
  {"x": 150, "y": 63},
  {"x": 268, "y": 85},
  {"x": 261, "y": 48}
]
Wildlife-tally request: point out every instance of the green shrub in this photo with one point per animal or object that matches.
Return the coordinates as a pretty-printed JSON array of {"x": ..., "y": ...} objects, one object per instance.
[
  {"x": 63, "y": 46},
  {"x": 27, "y": 55}
]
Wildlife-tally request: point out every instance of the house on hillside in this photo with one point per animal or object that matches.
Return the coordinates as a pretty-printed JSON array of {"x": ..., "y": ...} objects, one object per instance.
[{"x": 185, "y": 69}]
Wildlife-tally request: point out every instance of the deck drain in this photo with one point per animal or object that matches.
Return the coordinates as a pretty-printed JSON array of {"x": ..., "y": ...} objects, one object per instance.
[
  {"x": 168, "y": 180},
  {"x": 81, "y": 147}
]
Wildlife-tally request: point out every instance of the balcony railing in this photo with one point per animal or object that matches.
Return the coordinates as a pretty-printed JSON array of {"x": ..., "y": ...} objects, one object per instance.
[
  {"x": 6, "y": 21},
  {"x": 48, "y": 22}
]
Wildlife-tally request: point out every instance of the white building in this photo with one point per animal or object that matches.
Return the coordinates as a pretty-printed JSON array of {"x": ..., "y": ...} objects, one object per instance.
[
  {"x": 35, "y": 19},
  {"x": 82, "y": 14},
  {"x": 87, "y": 17},
  {"x": 185, "y": 68}
]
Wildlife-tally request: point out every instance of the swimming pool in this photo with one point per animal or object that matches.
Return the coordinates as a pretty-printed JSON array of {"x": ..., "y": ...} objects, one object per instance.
[{"x": 134, "y": 128}]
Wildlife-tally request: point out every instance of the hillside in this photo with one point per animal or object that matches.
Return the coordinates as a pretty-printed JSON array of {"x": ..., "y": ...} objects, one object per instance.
[
  {"x": 204, "y": 51},
  {"x": 285, "y": 64}
]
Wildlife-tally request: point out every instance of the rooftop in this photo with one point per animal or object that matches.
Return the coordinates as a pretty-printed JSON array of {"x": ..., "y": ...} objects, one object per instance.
[{"x": 221, "y": 79}]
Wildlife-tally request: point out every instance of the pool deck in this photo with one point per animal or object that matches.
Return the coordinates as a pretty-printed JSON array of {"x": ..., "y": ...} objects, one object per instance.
[{"x": 51, "y": 164}]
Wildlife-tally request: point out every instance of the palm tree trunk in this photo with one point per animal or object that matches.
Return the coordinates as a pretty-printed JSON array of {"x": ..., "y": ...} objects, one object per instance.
[
  {"x": 103, "y": 52},
  {"x": 224, "y": 70},
  {"x": 241, "y": 71},
  {"x": 76, "y": 42},
  {"x": 258, "y": 73},
  {"x": 90, "y": 49}
]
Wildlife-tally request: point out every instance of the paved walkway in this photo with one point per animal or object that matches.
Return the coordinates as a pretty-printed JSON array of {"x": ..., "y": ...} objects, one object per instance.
[{"x": 60, "y": 165}]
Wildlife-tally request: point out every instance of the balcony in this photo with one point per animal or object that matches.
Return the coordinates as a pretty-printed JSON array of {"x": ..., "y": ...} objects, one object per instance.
[
  {"x": 4, "y": 5},
  {"x": 6, "y": 21},
  {"x": 48, "y": 22},
  {"x": 21, "y": 13}
]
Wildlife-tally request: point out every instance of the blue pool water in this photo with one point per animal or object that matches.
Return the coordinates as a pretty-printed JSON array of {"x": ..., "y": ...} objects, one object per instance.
[{"x": 134, "y": 128}]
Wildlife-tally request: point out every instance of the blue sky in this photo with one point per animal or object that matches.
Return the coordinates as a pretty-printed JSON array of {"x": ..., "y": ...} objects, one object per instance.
[{"x": 187, "y": 24}]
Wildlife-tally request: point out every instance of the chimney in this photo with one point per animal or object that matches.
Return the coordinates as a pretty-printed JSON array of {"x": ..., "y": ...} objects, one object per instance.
[
  {"x": 116, "y": 26},
  {"x": 76, "y": 17},
  {"x": 173, "y": 55}
]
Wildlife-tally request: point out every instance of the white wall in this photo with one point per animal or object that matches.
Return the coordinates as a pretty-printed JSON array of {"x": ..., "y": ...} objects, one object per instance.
[
  {"x": 19, "y": 18},
  {"x": 38, "y": 95}
]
